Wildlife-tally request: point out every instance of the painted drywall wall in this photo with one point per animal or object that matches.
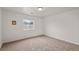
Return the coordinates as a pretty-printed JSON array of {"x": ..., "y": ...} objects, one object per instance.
[
  {"x": 0, "y": 29},
  {"x": 64, "y": 26},
  {"x": 16, "y": 32}
]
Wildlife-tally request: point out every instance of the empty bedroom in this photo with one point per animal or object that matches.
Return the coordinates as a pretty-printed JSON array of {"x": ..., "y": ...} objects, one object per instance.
[{"x": 39, "y": 29}]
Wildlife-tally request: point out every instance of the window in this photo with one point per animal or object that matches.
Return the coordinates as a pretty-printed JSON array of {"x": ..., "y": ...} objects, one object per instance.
[{"x": 28, "y": 24}]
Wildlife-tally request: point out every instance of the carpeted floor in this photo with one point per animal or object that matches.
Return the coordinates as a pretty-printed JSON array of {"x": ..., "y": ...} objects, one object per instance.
[{"x": 42, "y": 43}]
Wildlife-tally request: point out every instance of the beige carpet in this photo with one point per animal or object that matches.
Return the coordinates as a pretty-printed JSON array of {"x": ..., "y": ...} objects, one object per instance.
[{"x": 41, "y": 43}]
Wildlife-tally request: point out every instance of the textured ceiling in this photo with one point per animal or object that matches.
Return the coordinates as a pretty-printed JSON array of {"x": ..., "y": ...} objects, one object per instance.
[{"x": 32, "y": 11}]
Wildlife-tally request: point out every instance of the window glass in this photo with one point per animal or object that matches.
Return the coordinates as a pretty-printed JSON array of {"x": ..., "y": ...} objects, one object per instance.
[{"x": 28, "y": 24}]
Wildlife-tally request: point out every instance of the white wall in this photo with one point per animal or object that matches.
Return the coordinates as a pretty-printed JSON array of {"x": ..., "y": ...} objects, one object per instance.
[
  {"x": 64, "y": 26},
  {"x": 0, "y": 29},
  {"x": 12, "y": 32}
]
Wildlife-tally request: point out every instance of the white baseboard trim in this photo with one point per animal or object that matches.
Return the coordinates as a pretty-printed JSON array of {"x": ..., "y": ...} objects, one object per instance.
[
  {"x": 22, "y": 38},
  {"x": 43, "y": 35},
  {"x": 76, "y": 43}
]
